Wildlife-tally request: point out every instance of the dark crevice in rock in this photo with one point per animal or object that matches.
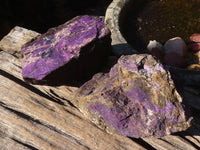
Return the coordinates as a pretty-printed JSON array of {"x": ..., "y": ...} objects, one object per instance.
[
  {"x": 126, "y": 117},
  {"x": 140, "y": 66},
  {"x": 97, "y": 34},
  {"x": 141, "y": 63},
  {"x": 29, "y": 87},
  {"x": 24, "y": 144}
]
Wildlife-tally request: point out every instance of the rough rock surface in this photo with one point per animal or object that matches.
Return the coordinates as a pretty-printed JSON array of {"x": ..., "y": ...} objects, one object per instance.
[
  {"x": 137, "y": 98},
  {"x": 73, "y": 50}
]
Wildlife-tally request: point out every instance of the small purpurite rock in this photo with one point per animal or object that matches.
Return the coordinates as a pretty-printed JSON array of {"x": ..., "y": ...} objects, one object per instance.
[
  {"x": 70, "y": 51},
  {"x": 137, "y": 98}
]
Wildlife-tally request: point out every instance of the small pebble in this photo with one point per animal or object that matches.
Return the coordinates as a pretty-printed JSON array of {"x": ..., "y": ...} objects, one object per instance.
[
  {"x": 195, "y": 37},
  {"x": 154, "y": 44},
  {"x": 175, "y": 45},
  {"x": 194, "y": 67},
  {"x": 197, "y": 57}
]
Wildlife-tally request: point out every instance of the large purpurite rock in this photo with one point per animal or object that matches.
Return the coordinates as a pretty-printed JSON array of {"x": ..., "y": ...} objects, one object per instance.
[
  {"x": 74, "y": 50},
  {"x": 137, "y": 98}
]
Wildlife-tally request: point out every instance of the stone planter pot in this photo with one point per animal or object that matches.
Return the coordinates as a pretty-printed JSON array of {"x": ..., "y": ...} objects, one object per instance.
[{"x": 114, "y": 19}]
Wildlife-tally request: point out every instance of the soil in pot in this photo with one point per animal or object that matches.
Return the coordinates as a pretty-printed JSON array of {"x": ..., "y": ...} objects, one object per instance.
[{"x": 160, "y": 20}]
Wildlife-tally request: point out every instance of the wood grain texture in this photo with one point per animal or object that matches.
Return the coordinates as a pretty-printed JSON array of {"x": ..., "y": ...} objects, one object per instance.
[
  {"x": 15, "y": 39},
  {"x": 43, "y": 117},
  {"x": 31, "y": 117}
]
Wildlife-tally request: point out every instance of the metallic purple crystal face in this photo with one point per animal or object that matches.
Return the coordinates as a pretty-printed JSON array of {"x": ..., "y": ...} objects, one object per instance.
[
  {"x": 139, "y": 99},
  {"x": 59, "y": 45}
]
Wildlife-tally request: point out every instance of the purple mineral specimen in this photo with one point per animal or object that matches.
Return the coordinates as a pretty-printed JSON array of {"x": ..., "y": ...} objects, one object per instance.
[
  {"x": 137, "y": 98},
  {"x": 73, "y": 50}
]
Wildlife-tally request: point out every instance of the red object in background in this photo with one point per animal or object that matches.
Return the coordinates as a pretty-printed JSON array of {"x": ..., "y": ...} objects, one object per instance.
[{"x": 195, "y": 37}]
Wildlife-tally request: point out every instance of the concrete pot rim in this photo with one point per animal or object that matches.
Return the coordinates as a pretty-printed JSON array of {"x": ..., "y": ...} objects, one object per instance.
[{"x": 112, "y": 17}]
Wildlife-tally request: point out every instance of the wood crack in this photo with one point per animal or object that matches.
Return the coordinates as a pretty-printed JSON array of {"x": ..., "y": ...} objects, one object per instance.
[
  {"x": 24, "y": 144},
  {"x": 143, "y": 143},
  {"x": 29, "y": 87},
  {"x": 22, "y": 115},
  {"x": 29, "y": 118}
]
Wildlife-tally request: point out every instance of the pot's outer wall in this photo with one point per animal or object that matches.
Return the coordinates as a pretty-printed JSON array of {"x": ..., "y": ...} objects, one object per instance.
[{"x": 112, "y": 20}]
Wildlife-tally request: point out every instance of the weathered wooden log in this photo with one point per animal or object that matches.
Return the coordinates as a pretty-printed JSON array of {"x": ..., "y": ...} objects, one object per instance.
[
  {"x": 42, "y": 117},
  {"x": 15, "y": 39},
  {"x": 28, "y": 117}
]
